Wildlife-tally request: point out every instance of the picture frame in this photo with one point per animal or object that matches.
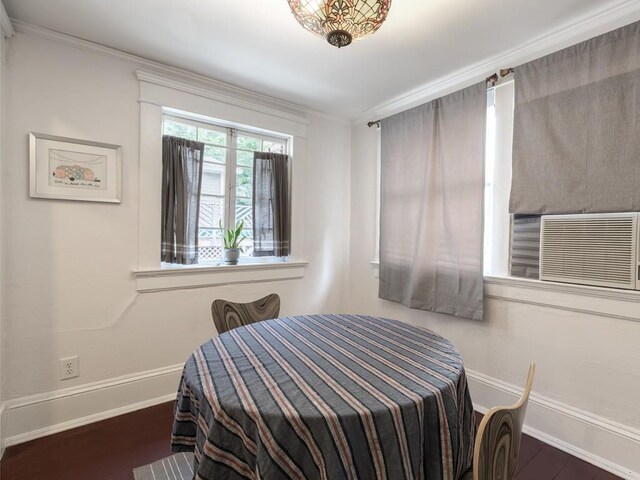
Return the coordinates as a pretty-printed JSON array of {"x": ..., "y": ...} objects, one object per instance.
[{"x": 64, "y": 168}]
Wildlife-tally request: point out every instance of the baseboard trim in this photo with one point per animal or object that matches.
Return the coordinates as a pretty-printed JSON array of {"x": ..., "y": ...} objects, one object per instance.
[
  {"x": 79, "y": 422},
  {"x": 592, "y": 438},
  {"x": 44, "y": 414},
  {"x": 597, "y": 440},
  {"x": 600, "y": 462}
]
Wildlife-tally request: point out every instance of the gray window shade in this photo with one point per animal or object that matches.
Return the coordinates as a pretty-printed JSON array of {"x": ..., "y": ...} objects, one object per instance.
[
  {"x": 432, "y": 203},
  {"x": 576, "y": 128},
  {"x": 524, "y": 255}
]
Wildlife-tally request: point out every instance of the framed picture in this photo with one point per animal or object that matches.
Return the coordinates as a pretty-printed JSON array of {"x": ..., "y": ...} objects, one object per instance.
[{"x": 70, "y": 169}]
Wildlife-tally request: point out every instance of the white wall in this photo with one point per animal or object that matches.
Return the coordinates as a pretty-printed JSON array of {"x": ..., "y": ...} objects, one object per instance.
[
  {"x": 5, "y": 31},
  {"x": 588, "y": 363},
  {"x": 67, "y": 284}
]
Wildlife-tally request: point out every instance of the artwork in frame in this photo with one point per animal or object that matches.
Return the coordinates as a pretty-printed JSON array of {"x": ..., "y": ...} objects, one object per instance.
[{"x": 71, "y": 169}]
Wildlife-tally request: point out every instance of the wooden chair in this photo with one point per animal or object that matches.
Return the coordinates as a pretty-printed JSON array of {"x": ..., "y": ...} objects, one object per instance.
[
  {"x": 495, "y": 455},
  {"x": 228, "y": 315}
]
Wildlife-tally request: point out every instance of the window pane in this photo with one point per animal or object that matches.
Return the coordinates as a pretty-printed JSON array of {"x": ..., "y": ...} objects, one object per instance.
[
  {"x": 212, "y": 136},
  {"x": 213, "y": 180},
  {"x": 181, "y": 130},
  {"x": 209, "y": 236},
  {"x": 245, "y": 158},
  {"x": 249, "y": 143},
  {"x": 215, "y": 154},
  {"x": 244, "y": 213},
  {"x": 214, "y": 199},
  {"x": 525, "y": 246},
  {"x": 244, "y": 182},
  {"x": 274, "y": 147}
]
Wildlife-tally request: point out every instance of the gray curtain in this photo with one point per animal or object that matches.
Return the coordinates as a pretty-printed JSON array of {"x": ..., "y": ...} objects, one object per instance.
[
  {"x": 181, "y": 185},
  {"x": 271, "y": 207},
  {"x": 431, "y": 205},
  {"x": 576, "y": 128}
]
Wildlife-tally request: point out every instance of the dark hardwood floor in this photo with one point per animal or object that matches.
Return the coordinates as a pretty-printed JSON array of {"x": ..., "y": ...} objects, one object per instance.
[
  {"x": 109, "y": 450},
  {"x": 539, "y": 461}
]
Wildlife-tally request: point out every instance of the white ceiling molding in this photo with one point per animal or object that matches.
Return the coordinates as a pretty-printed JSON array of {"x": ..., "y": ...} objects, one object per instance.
[
  {"x": 598, "y": 20},
  {"x": 582, "y": 28},
  {"x": 180, "y": 76},
  {"x": 5, "y": 23}
]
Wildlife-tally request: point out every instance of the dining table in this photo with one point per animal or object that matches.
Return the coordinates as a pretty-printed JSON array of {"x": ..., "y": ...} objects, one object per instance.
[{"x": 325, "y": 397}]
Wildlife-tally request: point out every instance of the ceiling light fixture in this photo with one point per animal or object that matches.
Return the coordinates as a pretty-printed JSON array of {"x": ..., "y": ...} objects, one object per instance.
[{"x": 340, "y": 21}]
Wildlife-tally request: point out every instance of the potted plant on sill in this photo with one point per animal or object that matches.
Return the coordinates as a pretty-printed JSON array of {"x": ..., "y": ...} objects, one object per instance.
[{"x": 232, "y": 239}]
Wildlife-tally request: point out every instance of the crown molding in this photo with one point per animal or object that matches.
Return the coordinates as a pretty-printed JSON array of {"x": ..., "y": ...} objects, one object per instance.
[
  {"x": 596, "y": 22},
  {"x": 224, "y": 90},
  {"x": 5, "y": 23}
]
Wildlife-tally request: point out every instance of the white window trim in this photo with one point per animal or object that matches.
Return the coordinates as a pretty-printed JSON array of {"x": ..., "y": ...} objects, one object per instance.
[
  {"x": 232, "y": 131},
  {"x": 158, "y": 93},
  {"x": 600, "y": 301}
]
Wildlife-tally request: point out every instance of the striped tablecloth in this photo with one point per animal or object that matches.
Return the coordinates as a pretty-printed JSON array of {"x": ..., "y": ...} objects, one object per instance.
[{"x": 325, "y": 397}]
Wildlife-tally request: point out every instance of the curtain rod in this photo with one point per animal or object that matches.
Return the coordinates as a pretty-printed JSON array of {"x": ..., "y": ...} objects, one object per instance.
[{"x": 492, "y": 80}]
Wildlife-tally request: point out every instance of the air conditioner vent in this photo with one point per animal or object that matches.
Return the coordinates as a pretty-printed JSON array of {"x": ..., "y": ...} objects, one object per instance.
[{"x": 590, "y": 249}]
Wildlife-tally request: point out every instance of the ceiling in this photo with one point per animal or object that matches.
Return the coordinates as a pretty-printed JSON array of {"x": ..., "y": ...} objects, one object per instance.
[{"x": 258, "y": 45}]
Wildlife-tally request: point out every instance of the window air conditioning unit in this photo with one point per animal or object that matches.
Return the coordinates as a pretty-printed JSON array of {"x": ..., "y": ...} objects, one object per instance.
[{"x": 592, "y": 249}]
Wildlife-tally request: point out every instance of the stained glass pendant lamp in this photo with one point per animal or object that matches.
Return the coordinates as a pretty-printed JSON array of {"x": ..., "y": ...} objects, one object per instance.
[{"x": 340, "y": 21}]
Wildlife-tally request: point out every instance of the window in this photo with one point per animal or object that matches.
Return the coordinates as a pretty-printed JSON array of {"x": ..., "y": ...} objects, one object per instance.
[
  {"x": 227, "y": 179},
  {"x": 511, "y": 242},
  {"x": 497, "y": 225}
]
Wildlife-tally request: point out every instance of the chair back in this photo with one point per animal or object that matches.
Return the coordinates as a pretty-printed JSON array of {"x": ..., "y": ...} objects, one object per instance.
[
  {"x": 228, "y": 315},
  {"x": 495, "y": 455}
]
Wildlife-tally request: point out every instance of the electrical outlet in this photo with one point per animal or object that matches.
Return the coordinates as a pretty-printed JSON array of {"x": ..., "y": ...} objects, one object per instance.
[{"x": 69, "y": 368}]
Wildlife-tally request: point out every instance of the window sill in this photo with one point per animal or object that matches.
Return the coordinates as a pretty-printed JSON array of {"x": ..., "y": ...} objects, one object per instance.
[
  {"x": 200, "y": 276},
  {"x": 584, "y": 299},
  {"x": 571, "y": 288},
  {"x": 601, "y": 301}
]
